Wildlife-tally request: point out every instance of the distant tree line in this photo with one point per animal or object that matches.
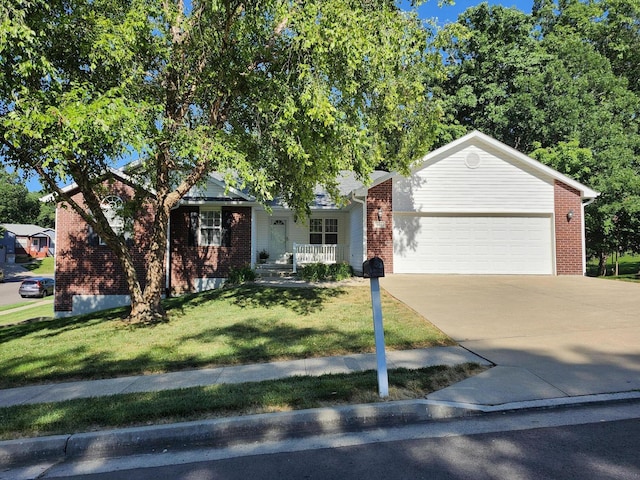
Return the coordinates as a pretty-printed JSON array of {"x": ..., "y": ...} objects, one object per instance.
[{"x": 18, "y": 205}]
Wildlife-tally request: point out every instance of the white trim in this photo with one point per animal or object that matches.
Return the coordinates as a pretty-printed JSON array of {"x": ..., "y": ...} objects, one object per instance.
[
  {"x": 113, "y": 171},
  {"x": 254, "y": 237},
  {"x": 362, "y": 202},
  {"x": 214, "y": 228},
  {"x": 475, "y": 137},
  {"x": 83, "y": 304},
  {"x": 203, "y": 284}
]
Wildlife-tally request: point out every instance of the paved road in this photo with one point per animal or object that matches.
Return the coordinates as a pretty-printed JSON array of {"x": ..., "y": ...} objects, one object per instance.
[
  {"x": 595, "y": 442},
  {"x": 578, "y": 334},
  {"x": 14, "y": 274}
]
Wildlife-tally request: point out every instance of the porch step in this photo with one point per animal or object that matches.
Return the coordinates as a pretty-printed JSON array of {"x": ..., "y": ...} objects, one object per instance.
[{"x": 274, "y": 270}]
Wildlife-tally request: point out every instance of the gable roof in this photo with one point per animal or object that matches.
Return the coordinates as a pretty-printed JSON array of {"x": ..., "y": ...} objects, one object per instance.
[
  {"x": 348, "y": 183},
  {"x": 116, "y": 172},
  {"x": 478, "y": 138},
  {"x": 25, "y": 230}
]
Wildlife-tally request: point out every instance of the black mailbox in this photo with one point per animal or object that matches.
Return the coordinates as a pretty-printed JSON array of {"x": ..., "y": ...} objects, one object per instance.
[{"x": 373, "y": 268}]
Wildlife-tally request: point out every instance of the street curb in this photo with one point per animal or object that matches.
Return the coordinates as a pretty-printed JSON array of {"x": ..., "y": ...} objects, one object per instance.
[{"x": 224, "y": 432}]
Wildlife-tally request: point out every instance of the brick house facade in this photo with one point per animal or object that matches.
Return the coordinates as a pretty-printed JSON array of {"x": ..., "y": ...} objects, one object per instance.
[
  {"x": 84, "y": 266},
  {"x": 190, "y": 261},
  {"x": 569, "y": 225},
  {"x": 473, "y": 206},
  {"x": 380, "y": 223}
]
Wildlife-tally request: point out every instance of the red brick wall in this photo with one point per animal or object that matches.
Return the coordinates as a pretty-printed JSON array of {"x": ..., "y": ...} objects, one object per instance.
[
  {"x": 83, "y": 269},
  {"x": 191, "y": 262},
  {"x": 380, "y": 233},
  {"x": 569, "y": 254}
]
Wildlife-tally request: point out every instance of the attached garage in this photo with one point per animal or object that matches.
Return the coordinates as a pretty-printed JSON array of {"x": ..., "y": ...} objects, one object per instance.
[
  {"x": 473, "y": 244},
  {"x": 478, "y": 206}
]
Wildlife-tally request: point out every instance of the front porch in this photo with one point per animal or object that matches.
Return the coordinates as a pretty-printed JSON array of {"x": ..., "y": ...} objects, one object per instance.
[{"x": 304, "y": 253}]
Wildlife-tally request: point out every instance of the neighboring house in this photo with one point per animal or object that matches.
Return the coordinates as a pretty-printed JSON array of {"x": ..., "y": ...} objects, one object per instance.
[
  {"x": 27, "y": 239},
  {"x": 474, "y": 206}
]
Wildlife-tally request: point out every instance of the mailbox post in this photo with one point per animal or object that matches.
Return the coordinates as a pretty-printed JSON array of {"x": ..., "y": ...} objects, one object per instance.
[{"x": 374, "y": 269}]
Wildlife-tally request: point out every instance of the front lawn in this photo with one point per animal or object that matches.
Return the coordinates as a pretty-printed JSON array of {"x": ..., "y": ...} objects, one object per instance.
[
  {"x": 41, "y": 266},
  {"x": 628, "y": 267},
  {"x": 32, "y": 311},
  {"x": 239, "y": 325}
]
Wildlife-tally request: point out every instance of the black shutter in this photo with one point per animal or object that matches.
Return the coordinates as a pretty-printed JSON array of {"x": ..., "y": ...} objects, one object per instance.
[
  {"x": 227, "y": 224},
  {"x": 194, "y": 220},
  {"x": 92, "y": 237}
]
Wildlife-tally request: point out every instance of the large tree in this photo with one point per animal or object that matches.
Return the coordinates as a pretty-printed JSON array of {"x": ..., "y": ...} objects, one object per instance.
[
  {"x": 16, "y": 204},
  {"x": 540, "y": 84},
  {"x": 278, "y": 94}
]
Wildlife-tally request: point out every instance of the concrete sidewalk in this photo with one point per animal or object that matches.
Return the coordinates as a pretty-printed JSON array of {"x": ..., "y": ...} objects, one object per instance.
[
  {"x": 29, "y": 458},
  {"x": 410, "y": 359}
]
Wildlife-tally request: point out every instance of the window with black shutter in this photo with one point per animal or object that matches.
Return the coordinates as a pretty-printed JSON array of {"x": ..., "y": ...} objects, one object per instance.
[{"x": 227, "y": 225}]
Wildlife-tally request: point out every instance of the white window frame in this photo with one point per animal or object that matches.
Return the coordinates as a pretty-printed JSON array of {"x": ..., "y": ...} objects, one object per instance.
[
  {"x": 210, "y": 220},
  {"x": 111, "y": 205},
  {"x": 324, "y": 227}
]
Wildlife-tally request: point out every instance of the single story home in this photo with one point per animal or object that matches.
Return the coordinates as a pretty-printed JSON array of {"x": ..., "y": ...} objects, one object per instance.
[
  {"x": 27, "y": 239},
  {"x": 474, "y": 206}
]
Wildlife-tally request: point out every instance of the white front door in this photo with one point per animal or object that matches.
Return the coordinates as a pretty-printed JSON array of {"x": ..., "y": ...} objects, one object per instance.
[{"x": 277, "y": 239}]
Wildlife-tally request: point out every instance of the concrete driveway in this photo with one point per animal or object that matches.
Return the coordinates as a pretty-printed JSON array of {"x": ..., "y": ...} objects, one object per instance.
[{"x": 551, "y": 336}]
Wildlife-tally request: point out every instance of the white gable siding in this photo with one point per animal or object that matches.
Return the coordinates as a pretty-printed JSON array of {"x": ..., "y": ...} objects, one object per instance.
[
  {"x": 262, "y": 231},
  {"x": 210, "y": 190},
  {"x": 356, "y": 238},
  {"x": 495, "y": 185}
]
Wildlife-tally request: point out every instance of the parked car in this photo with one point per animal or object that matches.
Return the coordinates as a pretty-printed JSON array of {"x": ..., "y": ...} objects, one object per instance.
[
  {"x": 36, "y": 287},
  {"x": 1, "y": 275}
]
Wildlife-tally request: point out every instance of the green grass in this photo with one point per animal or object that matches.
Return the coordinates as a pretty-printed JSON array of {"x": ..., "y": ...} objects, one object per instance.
[
  {"x": 222, "y": 400},
  {"x": 238, "y": 325},
  {"x": 628, "y": 268},
  {"x": 13, "y": 305},
  {"x": 34, "y": 313},
  {"x": 41, "y": 266}
]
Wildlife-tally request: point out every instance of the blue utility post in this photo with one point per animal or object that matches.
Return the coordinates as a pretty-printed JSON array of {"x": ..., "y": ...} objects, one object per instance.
[{"x": 373, "y": 269}]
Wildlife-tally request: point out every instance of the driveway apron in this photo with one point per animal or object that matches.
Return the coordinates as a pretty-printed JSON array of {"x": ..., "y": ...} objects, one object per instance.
[{"x": 560, "y": 336}]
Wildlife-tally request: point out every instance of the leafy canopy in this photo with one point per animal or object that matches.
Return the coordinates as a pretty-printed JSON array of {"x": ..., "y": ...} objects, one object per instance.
[{"x": 278, "y": 95}]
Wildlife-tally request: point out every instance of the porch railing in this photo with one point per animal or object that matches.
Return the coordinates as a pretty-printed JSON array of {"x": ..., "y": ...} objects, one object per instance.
[{"x": 311, "y": 253}]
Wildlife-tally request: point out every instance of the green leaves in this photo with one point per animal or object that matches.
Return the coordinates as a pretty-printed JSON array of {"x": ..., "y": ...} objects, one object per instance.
[
  {"x": 279, "y": 95},
  {"x": 551, "y": 85}
]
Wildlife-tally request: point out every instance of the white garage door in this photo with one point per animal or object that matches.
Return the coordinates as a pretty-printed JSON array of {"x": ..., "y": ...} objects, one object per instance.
[{"x": 472, "y": 244}]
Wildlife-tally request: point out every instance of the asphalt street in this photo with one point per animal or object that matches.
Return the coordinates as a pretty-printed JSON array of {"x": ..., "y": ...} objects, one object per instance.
[
  {"x": 14, "y": 274},
  {"x": 567, "y": 443}
]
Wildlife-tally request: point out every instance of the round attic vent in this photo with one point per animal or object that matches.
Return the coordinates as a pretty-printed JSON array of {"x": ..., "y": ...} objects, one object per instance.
[{"x": 472, "y": 160}]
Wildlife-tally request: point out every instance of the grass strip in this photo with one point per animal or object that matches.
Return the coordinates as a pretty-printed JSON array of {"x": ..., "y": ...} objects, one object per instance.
[
  {"x": 36, "y": 313},
  {"x": 231, "y": 326},
  {"x": 225, "y": 400},
  {"x": 14, "y": 305}
]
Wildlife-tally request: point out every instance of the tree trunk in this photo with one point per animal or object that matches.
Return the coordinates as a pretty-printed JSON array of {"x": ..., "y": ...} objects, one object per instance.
[
  {"x": 148, "y": 307},
  {"x": 602, "y": 264}
]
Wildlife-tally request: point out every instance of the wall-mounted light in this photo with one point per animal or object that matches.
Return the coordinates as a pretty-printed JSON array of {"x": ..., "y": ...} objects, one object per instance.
[
  {"x": 569, "y": 215},
  {"x": 380, "y": 214}
]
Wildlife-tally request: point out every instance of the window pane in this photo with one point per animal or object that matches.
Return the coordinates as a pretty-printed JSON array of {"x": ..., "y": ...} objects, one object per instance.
[
  {"x": 315, "y": 225},
  {"x": 331, "y": 225},
  {"x": 210, "y": 227},
  {"x": 331, "y": 239},
  {"x": 315, "y": 238}
]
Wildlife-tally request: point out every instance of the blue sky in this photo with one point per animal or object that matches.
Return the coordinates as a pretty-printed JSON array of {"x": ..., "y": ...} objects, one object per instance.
[
  {"x": 449, "y": 13},
  {"x": 430, "y": 9}
]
